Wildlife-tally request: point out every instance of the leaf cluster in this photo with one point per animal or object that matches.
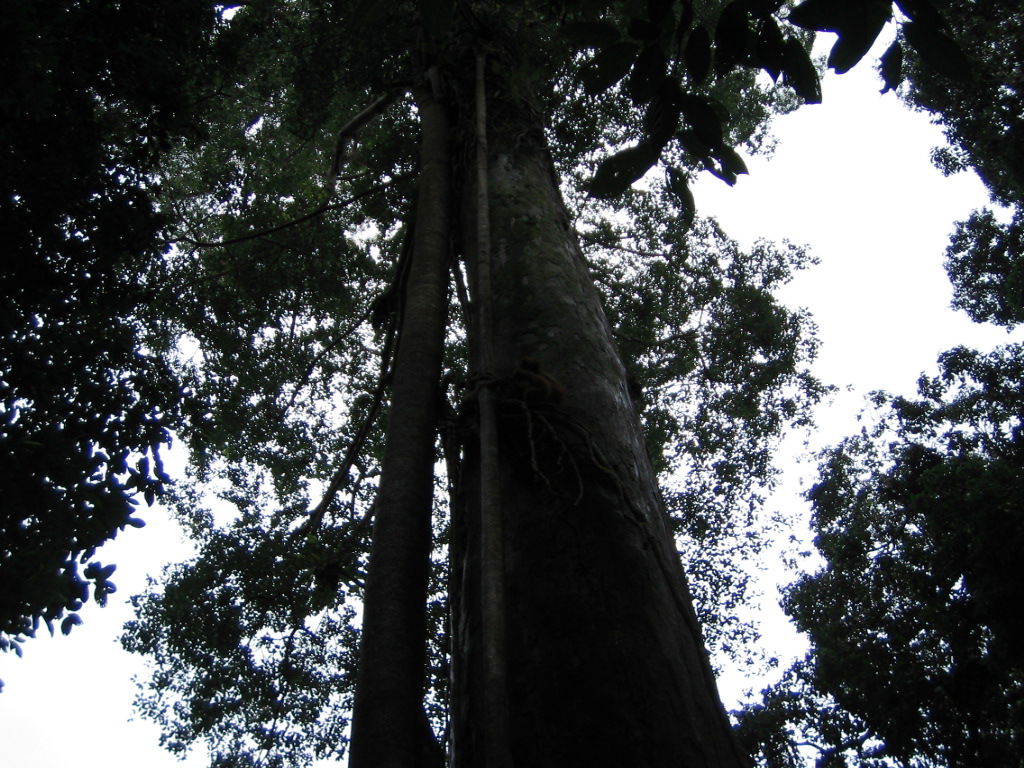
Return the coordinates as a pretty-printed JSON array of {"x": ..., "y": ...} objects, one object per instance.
[
  {"x": 981, "y": 109},
  {"x": 720, "y": 369},
  {"x": 915, "y": 654},
  {"x": 252, "y": 643},
  {"x": 911, "y": 621},
  {"x": 245, "y": 328},
  {"x": 678, "y": 66},
  {"x": 93, "y": 94}
]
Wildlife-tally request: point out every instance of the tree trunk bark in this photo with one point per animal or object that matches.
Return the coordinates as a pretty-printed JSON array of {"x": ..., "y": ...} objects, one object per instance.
[
  {"x": 388, "y": 719},
  {"x": 605, "y": 661}
]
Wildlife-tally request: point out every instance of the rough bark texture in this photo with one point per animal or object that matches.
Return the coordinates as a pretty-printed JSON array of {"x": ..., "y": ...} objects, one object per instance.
[
  {"x": 606, "y": 665},
  {"x": 387, "y": 723}
]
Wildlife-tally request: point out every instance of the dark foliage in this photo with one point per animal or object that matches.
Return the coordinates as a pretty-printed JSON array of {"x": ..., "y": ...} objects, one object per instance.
[
  {"x": 916, "y": 641},
  {"x": 985, "y": 261},
  {"x": 916, "y": 638},
  {"x": 92, "y": 92},
  {"x": 271, "y": 304},
  {"x": 982, "y": 112}
]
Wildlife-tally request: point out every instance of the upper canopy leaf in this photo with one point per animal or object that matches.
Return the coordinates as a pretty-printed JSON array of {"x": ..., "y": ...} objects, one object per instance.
[
  {"x": 609, "y": 66},
  {"x": 799, "y": 72},
  {"x": 591, "y": 34},
  {"x": 698, "y": 55},
  {"x": 857, "y": 22},
  {"x": 436, "y": 16},
  {"x": 891, "y": 67},
  {"x": 733, "y": 36},
  {"x": 700, "y": 113},
  {"x": 617, "y": 172},
  {"x": 937, "y": 49},
  {"x": 857, "y": 37}
]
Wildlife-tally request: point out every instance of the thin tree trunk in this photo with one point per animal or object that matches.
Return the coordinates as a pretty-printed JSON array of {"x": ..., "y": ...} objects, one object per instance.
[
  {"x": 387, "y": 723},
  {"x": 492, "y": 535},
  {"x": 606, "y": 664}
]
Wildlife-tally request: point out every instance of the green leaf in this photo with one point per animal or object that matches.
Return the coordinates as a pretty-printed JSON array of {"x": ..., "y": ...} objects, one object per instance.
[
  {"x": 685, "y": 20},
  {"x": 657, "y": 10},
  {"x": 920, "y": 10},
  {"x": 891, "y": 66},
  {"x": 697, "y": 55},
  {"x": 68, "y": 623},
  {"x": 733, "y": 36},
  {"x": 937, "y": 50},
  {"x": 820, "y": 15},
  {"x": 858, "y": 34},
  {"x": 799, "y": 72},
  {"x": 678, "y": 186},
  {"x": 647, "y": 75},
  {"x": 770, "y": 48},
  {"x": 722, "y": 173},
  {"x": 617, "y": 172},
  {"x": 704, "y": 120},
  {"x": 642, "y": 29},
  {"x": 762, "y": 9},
  {"x": 437, "y": 17},
  {"x": 692, "y": 144},
  {"x": 609, "y": 66},
  {"x": 731, "y": 160},
  {"x": 591, "y": 34},
  {"x": 662, "y": 116},
  {"x": 857, "y": 22}
]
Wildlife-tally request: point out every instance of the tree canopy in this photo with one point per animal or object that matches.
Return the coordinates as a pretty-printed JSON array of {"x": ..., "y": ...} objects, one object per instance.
[
  {"x": 915, "y": 641},
  {"x": 240, "y": 259},
  {"x": 915, "y": 654},
  {"x": 84, "y": 407},
  {"x": 289, "y": 323}
]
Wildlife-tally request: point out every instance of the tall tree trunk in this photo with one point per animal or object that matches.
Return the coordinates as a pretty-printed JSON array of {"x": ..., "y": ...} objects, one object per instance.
[
  {"x": 388, "y": 719},
  {"x": 606, "y": 664}
]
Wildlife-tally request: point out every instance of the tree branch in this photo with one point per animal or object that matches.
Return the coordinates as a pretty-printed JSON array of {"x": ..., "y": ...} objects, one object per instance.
[
  {"x": 351, "y": 128},
  {"x": 317, "y": 515},
  {"x": 294, "y": 222}
]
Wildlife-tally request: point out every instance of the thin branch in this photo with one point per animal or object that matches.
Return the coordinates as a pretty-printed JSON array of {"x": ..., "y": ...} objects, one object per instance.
[
  {"x": 351, "y": 128},
  {"x": 681, "y": 336},
  {"x": 352, "y": 454},
  {"x": 294, "y": 222},
  {"x": 324, "y": 352},
  {"x": 622, "y": 248},
  {"x": 338, "y": 480}
]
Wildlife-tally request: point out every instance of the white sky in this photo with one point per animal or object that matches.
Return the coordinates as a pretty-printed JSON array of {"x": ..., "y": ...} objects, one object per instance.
[{"x": 851, "y": 178}]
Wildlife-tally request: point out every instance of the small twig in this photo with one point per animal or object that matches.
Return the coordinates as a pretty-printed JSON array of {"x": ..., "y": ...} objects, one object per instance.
[
  {"x": 324, "y": 352},
  {"x": 682, "y": 335}
]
